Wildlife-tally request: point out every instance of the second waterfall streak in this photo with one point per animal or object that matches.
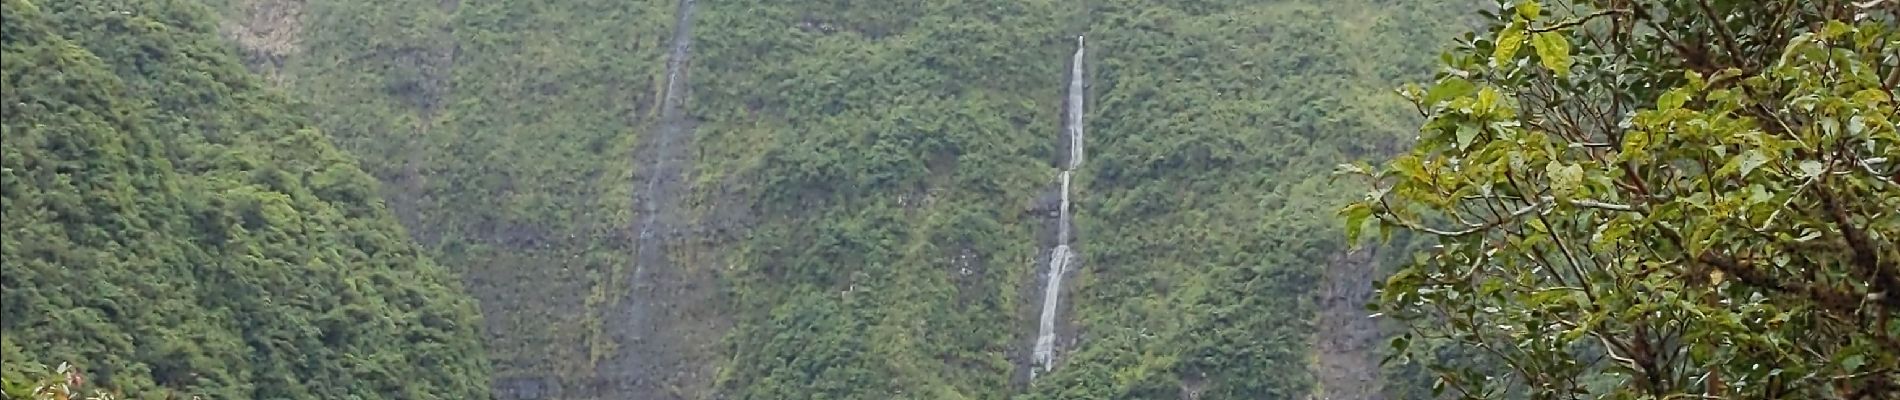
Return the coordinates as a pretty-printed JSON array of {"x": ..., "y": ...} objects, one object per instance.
[{"x": 1061, "y": 257}]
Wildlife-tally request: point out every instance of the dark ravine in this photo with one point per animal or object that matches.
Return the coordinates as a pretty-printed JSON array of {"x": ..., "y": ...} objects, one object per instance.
[{"x": 650, "y": 362}]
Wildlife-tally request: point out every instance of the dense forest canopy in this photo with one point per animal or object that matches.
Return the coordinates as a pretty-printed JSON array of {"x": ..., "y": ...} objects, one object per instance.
[{"x": 172, "y": 226}]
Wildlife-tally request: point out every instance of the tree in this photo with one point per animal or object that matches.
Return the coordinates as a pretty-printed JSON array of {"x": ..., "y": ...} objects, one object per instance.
[
  {"x": 1655, "y": 199},
  {"x": 64, "y": 383}
]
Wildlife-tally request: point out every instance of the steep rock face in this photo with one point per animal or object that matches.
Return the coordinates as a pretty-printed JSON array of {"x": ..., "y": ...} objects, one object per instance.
[
  {"x": 526, "y": 185},
  {"x": 885, "y": 149},
  {"x": 847, "y": 215},
  {"x": 504, "y": 133},
  {"x": 1214, "y": 125},
  {"x": 1346, "y": 340},
  {"x": 656, "y": 319},
  {"x": 172, "y": 225},
  {"x": 269, "y": 32}
]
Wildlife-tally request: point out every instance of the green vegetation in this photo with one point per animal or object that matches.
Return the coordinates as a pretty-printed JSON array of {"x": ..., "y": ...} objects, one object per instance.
[
  {"x": 1205, "y": 214},
  {"x": 64, "y": 382},
  {"x": 181, "y": 230},
  {"x": 862, "y": 211},
  {"x": 860, "y": 173},
  {"x": 888, "y": 150},
  {"x": 503, "y": 131},
  {"x": 526, "y": 181},
  {"x": 1656, "y": 200},
  {"x": 1621, "y": 199}
]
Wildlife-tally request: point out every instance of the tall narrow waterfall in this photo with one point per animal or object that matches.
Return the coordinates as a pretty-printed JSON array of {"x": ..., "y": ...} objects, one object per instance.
[
  {"x": 646, "y": 359},
  {"x": 1061, "y": 257},
  {"x": 663, "y": 169},
  {"x": 1075, "y": 107}
]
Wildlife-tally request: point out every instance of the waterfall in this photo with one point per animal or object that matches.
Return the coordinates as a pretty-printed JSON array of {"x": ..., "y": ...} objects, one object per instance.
[
  {"x": 1046, "y": 339},
  {"x": 1061, "y": 257},
  {"x": 1062, "y": 230},
  {"x": 1075, "y": 107},
  {"x": 663, "y": 174},
  {"x": 1052, "y": 289},
  {"x": 647, "y": 357}
]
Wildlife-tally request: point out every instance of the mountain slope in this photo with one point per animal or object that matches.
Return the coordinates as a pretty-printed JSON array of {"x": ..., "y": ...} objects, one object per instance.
[
  {"x": 526, "y": 174},
  {"x": 506, "y": 134},
  {"x": 171, "y": 225},
  {"x": 867, "y": 184},
  {"x": 887, "y": 152}
]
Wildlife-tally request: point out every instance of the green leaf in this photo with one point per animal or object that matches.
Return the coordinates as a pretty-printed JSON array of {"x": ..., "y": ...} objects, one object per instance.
[
  {"x": 1870, "y": 97},
  {"x": 1356, "y": 216},
  {"x": 1758, "y": 194},
  {"x": 1564, "y": 179},
  {"x": 1693, "y": 81},
  {"x": 1852, "y": 363},
  {"x": 1466, "y": 133},
  {"x": 1553, "y": 49},
  {"x": 1811, "y": 168},
  {"x": 1799, "y": 42},
  {"x": 1529, "y": 9},
  {"x": 1449, "y": 88},
  {"x": 1834, "y": 29},
  {"x": 1672, "y": 100},
  {"x": 1508, "y": 42},
  {"x": 1752, "y": 159},
  {"x": 1408, "y": 166},
  {"x": 1487, "y": 99}
]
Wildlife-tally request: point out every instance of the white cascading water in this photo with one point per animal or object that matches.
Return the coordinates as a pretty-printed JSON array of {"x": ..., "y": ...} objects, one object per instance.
[
  {"x": 1060, "y": 257},
  {"x": 1075, "y": 107}
]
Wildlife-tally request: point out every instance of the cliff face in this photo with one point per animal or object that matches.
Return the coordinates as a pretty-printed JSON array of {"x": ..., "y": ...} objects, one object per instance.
[
  {"x": 825, "y": 199},
  {"x": 505, "y": 134},
  {"x": 1346, "y": 340}
]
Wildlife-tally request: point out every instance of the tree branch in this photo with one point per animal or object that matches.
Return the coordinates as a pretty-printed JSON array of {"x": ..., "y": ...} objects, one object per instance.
[
  {"x": 1468, "y": 229},
  {"x": 1893, "y": 79},
  {"x": 1749, "y": 275},
  {"x": 1579, "y": 21},
  {"x": 1721, "y": 30},
  {"x": 1865, "y": 255},
  {"x": 1602, "y": 205}
]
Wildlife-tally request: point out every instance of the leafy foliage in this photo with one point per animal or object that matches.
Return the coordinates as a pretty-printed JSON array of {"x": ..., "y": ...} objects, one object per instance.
[
  {"x": 1666, "y": 199},
  {"x": 180, "y": 227},
  {"x": 64, "y": 382}
]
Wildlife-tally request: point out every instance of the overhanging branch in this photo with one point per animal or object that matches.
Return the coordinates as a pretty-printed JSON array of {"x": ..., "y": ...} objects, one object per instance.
[
  {"x": 1467, "y": 230},
  {"x": 1579, "y": 21}
]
